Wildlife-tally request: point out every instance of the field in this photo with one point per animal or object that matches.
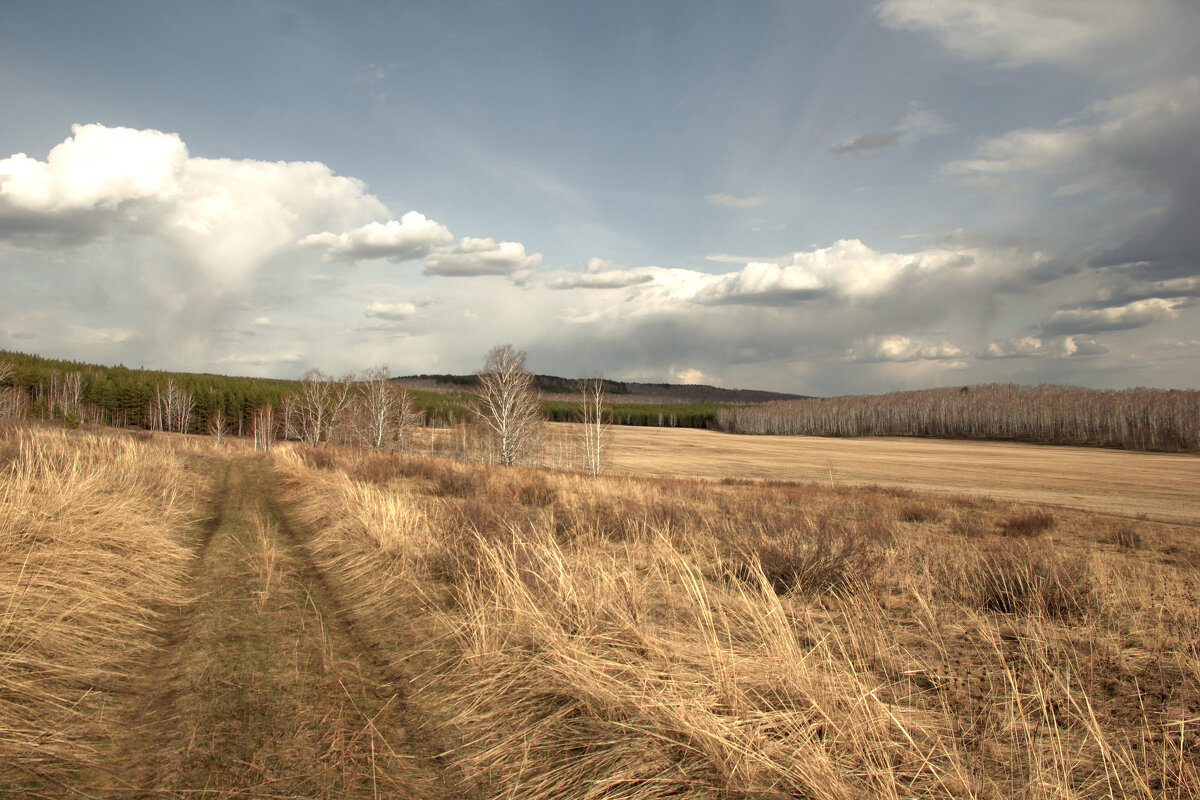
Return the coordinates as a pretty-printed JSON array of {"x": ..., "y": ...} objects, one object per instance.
[
  {"x": 188, "y": 620},
  {"x": 1162, "y": 486}
]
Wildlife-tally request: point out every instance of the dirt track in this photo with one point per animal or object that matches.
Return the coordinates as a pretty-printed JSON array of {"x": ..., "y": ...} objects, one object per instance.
[
  {"x": 1162, "y": 486},
  {"x": 261, "y": 687}
]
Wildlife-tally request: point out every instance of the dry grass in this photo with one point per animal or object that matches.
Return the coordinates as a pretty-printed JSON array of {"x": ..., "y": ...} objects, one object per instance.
[
  {"x": 1159, "y": 485},
  {"x": 636, "y": 638},
  {"x": 93, "y": 547},
  {"x": 572, "y": 637}
]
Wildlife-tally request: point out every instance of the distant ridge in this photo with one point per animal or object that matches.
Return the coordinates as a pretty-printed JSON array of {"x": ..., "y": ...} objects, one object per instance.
[{"x": 619, "y": 391}]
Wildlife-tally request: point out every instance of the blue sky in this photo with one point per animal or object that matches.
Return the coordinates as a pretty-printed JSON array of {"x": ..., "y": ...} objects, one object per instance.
[{"x": 802, "y": 196}]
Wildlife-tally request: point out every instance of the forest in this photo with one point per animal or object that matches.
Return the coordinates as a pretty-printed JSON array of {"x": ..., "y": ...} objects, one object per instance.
[{"x": 1134, "y": 419}]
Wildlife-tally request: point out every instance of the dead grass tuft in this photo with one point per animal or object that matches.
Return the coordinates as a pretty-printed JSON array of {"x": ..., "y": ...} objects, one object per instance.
[{"x": 1029, "y": 522}]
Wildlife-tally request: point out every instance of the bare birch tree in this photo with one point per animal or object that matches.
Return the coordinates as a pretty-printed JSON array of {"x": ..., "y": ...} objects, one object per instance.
[
  {"x": 171, "y": 408},
  {"x": 218, "y": 424},
  {"x": 264, "y": 428},
  {"x": 509, "y": 405},
  {"x": 383, "y": 411},
  {"x": 594, "y": 416},
  {"x": 315, "y": 410}
]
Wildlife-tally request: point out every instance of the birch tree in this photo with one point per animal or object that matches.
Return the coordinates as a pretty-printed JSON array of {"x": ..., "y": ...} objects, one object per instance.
[
  {"x": 315, "y": 410},
  {"x": 509, "y": 405},
  {"x": 218, "y": 423},
  {"x": 594, "y": 414},
  {"x": 264, "y": 428},
  {"x": 384, "y": 411}
]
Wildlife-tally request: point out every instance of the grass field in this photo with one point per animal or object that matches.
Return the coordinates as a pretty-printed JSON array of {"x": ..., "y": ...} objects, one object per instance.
[
  {"x": 183, "y": 620},
  {"x": 1161, "y": 486}
]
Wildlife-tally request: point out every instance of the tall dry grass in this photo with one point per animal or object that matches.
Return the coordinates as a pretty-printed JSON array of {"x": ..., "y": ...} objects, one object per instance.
[
  {"x": 93, "y": 548},
  {"x": 624, "y": 638}
]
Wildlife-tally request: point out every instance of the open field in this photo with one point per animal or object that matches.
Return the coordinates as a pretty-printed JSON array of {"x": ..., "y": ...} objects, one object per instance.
[
  {"x": 190, "y": 620},
  {"x": 1160, "y": 485}
]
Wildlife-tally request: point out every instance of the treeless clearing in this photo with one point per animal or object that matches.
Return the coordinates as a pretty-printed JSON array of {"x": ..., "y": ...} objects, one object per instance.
[{"x": 1161, "y": 486}]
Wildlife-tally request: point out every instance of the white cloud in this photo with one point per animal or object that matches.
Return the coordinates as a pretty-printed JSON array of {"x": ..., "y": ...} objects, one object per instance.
[
  {"x": 1081, "y": 347},
  {"x": 601, "y": 274},
  {"x": 473, "y": 256},
  {"x": 732, "y": 201},
  {"x": 411, "y": 238},
  {"x": 221, "y": 218},
  {"x": 1015, "y": 33},
  {"x": 903, "y": 348},
  {"x": 262, "y": 321},
  {"x": 690, "y": 376},
  {"x": 391, "y": 311},
  {"x": 847, "y": 269},
  {"x": 1019, "y": 347},
  {"x": 1137, "y": 314}
]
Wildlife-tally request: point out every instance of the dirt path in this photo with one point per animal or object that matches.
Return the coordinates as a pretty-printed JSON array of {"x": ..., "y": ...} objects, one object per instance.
[
  {"x": 1162, "y": 486},
  {"x": 261, "y": 690}
]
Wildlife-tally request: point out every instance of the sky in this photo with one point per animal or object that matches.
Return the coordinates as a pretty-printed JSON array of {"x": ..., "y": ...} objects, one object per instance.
[{"x": 810, "y": 197}]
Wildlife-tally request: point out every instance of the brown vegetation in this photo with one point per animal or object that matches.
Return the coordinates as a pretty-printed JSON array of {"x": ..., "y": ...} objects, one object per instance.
[
  {"x": 632, "y": 638},
  {"x": 94, "y": 548},
  {"x": 559, "y": 635}
]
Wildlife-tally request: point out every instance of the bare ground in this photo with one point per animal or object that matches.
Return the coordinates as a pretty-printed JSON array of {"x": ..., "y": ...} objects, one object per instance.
[{"x": 1160, "y": 486}]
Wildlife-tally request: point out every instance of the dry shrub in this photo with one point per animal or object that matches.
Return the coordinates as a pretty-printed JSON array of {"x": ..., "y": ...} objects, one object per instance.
[
  {"x": 1027, "y": 523},
  {"x": 811, "y": 555},
  {"x": 537, "y": 493},
  {"x": 93, "y": 548},
  {"x": 455, "y": 483},
  {"x": 970, "y": 524},
  {"x": 918, "y": 512},
  {"x": 1127, "y": 538},
  {"x": 1019, "y": 580}
]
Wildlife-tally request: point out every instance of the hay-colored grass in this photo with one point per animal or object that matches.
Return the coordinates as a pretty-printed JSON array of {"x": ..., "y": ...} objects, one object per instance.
[
  {"x": 93, "y": 549},
  {"x": 639, "y": 638}
]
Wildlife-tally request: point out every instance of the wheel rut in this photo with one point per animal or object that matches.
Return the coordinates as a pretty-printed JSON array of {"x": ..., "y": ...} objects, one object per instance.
[{"x": 262, "y": 688}]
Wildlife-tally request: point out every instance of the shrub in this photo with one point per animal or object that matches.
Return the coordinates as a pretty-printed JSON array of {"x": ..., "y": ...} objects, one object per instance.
[
  {"x": 537, "y": 493},
  {"x": 918, "y": 512},
  {"x": 1027, "y": 523},
  {"x": 828, "y": 557},
  {"x": 1016, "y": 580},
  {"x": 1127, "y": 538}
]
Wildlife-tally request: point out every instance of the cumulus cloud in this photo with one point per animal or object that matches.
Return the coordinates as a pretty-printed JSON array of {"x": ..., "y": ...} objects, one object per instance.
[
  {"x": 471, "y": 257},
  {"x": 602, "y": 274},
  {"x": 1016, "y": 33},
  {"x": 914, "y": 124},
  {"x": 1016, "y": 347},
  {"x": 391, "y": 311},
  {"x": 182, "y": 237},
  {"x": 219, "y": 218},
  {"x": 903, "y": 348},
  {"x": 1137, "y": 314},
  {"x": 847, "y": 269},
  {"x": 1082, "y": 347},
  {"x": 412, "y": 237},
  {"x": 733, "y": 201}
]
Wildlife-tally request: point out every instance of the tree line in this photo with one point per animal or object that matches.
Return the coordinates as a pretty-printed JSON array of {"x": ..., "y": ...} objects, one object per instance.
[{"x": 1134, "y": 419}]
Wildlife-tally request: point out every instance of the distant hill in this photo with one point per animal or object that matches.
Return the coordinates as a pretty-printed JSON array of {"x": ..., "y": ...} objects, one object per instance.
[{"x": 619, "y": 392}]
